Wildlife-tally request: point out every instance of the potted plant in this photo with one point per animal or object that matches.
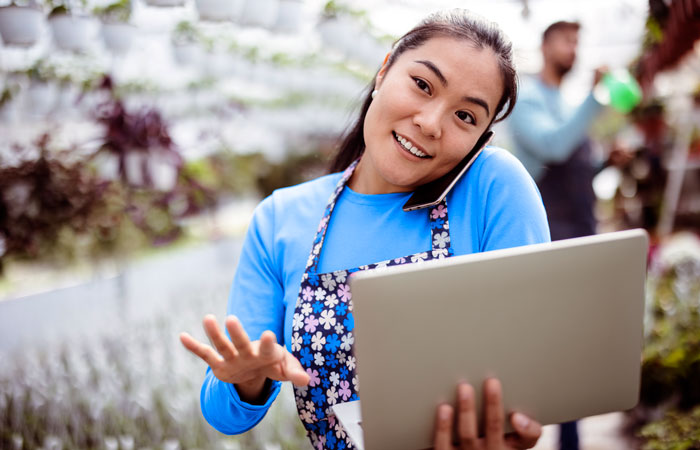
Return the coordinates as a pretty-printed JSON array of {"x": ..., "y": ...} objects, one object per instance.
[
  {"x": 116, "y": 31},
  {"x": 8, "y": 101},
  {"x": 42, "y": 91},
  {"x": 69, "y": 28},
  {"x": 186, "y": 40},
  {"x": 217, "y": 10},
  {"x": 262, "y": 13},
  {"x": 20, "y": 23}
]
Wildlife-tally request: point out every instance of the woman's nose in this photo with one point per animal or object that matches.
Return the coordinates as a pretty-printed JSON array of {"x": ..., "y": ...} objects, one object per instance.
[{"x": 428, "y": 119}]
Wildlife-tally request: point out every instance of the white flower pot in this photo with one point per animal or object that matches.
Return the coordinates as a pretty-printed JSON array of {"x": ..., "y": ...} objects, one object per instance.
[
  {"x": 134, "y": 167},
  {"x": 188, "y": 54},
  {"x": 9, "y": 112},
  {"x": 289, "y": 15},
  {"x": 41, "y": 97},
  {"x": 71, "y": 33},
  {"x": 165, "y": 3},
  {"x": 218, "y": 64},
  {"x": 217, "y": 10},
  {"x": 20, "y": 26},
  {"x": 67, "y": 98},
  {"x": 338, "y": 33},
  {"x": 261, "y": 13},
  {"x": 163, "y": 172},
  {"x": 118, "y": 37},
  {"x": 107, "y": 166}
]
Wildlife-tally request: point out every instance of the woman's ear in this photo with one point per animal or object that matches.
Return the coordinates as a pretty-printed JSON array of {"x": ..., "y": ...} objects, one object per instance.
[{"x": 382, "y": 71}]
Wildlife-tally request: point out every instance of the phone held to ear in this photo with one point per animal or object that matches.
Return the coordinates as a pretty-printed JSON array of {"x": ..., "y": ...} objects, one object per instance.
[{"x": 430, "y": 194}]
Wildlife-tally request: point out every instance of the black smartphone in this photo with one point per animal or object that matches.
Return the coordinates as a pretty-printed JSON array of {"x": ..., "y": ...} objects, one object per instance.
[{"x": 430, "y": 194}]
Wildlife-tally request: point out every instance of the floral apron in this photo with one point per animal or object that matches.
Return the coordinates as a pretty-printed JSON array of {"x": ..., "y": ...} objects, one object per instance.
[{"x": 322, "y": 335}]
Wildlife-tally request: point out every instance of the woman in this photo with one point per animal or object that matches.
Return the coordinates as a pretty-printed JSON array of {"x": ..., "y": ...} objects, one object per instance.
[{"x": 439, "y": 90}]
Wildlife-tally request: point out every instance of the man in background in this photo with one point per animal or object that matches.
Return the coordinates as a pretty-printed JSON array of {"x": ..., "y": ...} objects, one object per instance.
[{"x": 550, "y": 138}]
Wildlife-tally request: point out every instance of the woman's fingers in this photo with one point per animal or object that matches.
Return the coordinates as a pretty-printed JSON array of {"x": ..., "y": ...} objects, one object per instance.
[
  {"x": 527, "y": 431},
  {"x": 493, "y": 414},
  {"x": 443, "y": 428},
  {"x": 467, "y": 429},
  {"x": 294, "y": 371},
  {"x": 239, "y": 337},
  {"x": 218, "y": 338},
  {"x": 204, "y": 351},
  {"x": 269, "y": 350}
]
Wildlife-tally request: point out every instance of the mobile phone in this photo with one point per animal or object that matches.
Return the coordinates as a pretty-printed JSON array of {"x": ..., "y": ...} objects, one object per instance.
[{"x": 430, "y": 194}]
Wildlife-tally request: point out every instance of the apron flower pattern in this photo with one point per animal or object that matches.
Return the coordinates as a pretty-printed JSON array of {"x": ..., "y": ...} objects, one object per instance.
[{"x": 323, "y": 324}]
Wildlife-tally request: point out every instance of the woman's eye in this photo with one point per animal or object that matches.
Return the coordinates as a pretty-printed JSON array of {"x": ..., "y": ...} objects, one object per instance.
[
  {"x": 465, "y": 117},
  {"x": 422, "y": 85}
]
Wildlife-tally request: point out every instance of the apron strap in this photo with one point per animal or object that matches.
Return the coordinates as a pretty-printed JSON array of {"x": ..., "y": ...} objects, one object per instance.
[{"x": 439, "y": 224}]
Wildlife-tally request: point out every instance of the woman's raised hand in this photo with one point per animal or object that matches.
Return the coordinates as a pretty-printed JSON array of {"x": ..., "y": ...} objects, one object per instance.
[
  {"x": 245, "y": 363},
  {"x": 526, "y": 434}
]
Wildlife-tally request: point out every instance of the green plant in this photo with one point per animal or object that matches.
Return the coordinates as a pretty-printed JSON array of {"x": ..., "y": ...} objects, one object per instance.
[
  {"x": 676, "y": 430},
  {"x": 185, "y": 33},
  {"x": 118, "y": 11},
  {"x": 334, "y": 8},
  {"x": 59, "y": 7},
  {"x": 8, "y": 93},
  {"x": 670, "y": 383}
]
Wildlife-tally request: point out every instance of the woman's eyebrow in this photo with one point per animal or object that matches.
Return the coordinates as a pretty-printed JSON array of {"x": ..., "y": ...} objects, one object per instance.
[
  {"x": 435, "y": 70},
  {"x": 478, "y": 101},
  {"x": 443, "y": 81}
]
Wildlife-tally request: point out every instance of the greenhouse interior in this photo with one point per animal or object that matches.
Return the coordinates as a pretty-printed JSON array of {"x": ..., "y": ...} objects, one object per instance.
[{"x": 137, "y": 138}]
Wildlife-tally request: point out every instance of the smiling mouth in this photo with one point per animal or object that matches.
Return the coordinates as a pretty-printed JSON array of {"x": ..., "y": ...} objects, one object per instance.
[{"x": 406, "y": 144}]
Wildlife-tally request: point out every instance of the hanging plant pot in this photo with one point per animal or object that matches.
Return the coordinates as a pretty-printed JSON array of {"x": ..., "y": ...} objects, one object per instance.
[
  {"x": 163, "y": 171},
  {"x": 262, "y": 13},
  {"x": 71, "y": 32},
  {"x": 289, "y": 16},
  {"x": 41, "y": 97},
  {"x": 67, "y": 97},
  {"x": 117, "y": 37},
  {"x": 164, "y": 3},
  {"x": 187, "y": 53},
  {"x": 216, "y": 10},
  {"x": 338, "y": 33},
  {"x": 9, "y": 111},
  {"x": 20, "y": 26}
]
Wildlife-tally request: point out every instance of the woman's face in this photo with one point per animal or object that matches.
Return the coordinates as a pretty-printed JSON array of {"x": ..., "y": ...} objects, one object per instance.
[{"x": 431, "y": 107}]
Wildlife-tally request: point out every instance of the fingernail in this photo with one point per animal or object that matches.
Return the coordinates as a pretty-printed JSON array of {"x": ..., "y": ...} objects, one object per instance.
[
  {"x": 464, "y": 393},
  {"x": 444, "y": 413},
  {"x": 520, "y": 421}
]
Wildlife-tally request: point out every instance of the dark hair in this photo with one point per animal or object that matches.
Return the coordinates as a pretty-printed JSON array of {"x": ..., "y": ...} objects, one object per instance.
[
  {"x": 559, "y": 26},
  {"x": 456, "y": 23}
]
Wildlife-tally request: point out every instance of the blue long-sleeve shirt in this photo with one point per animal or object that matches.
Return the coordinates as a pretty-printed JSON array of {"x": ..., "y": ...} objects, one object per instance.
[
  {"x": 545, "y": 128},
  {"x": 496, "y": 205}
]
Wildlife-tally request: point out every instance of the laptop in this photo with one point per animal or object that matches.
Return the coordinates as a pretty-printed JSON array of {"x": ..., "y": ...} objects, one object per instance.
[{"x": 560, "y": 324}]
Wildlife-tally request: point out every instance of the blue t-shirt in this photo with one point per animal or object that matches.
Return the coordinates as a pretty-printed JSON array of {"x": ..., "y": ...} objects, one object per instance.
[{"x": 496, "y": 205}]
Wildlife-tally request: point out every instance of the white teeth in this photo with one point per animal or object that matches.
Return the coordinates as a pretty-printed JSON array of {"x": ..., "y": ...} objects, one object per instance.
[{"x": 405, "y": 143}]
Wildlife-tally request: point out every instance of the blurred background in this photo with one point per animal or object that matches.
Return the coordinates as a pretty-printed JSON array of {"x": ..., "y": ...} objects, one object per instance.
[{"x": 136, "y": 137}]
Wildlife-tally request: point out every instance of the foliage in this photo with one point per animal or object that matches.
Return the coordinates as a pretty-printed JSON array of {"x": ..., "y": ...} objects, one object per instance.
[
  {"x": 59, "y": 207},
  {"x": 670, "y": 388},
  {"x": 335, "y": 8},
  {"x": 677, "y": 430},
  {"x": 59, "y": 7},
  {"x": 118, "y": 11},
  {"x": 134, "y": 388},
  {"x": 671, "y": 368},
  {"x": 185, "y": 33},
  {"x": 41, "y": 197}
]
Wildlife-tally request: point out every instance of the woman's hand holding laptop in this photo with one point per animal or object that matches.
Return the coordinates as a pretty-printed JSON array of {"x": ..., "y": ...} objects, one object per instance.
[{"x": 526, "y": 434}]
